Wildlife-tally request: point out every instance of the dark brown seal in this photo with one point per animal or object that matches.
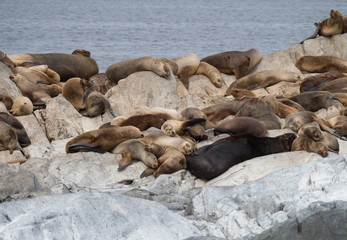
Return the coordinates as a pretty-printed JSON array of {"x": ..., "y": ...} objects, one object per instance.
[
  {"x": 233, "y": 150},
  {"x": 313, "y": 83}
]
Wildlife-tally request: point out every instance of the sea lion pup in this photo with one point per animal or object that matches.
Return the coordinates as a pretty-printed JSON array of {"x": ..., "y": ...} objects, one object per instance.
[
  {"x": 7, "y": 101},
  {"x": 170, "y": 160},
  {"x": 233, "y": 150},
  {"x": 339, "y": 124},
  {"x": 52, "y": 90},
  {"x": 7, "y": 61},
  {"x": 329, "y": 26},
  {"x": 313, "y": 101},
  {"x": 313, "y": 83},
  {"x": 334, "y": 85},
  {"x": 74, "y": 91},
  {"x": 134, "y": 149},
  {"x": 321, "y": 64},
  {"x": 257, "y": 108},
  {"x": 238, "y": 93},
  {"x": 34, "y": 75},
  {"x": 172, "y": 127},
  {"x": 16, "y": 125},
  {"x": 123, "y": 69},
  {"x": 96, "y": 105},
  {"x": 211, "y": 72},
  {"x": 242, "y": 125},
  {"x": 309, "y": 145},
  {"x": 190, "y": 113},
  {"x": 171, "y": 64},
  {"x": 160, "y": 138},
  {"x": 102, "y": 140},
  {"x": 238, "y": 63},
  {"x": 187, "y": 66},
  {"x": 101, "y": 83},
  {"x": 8, "y": 137},
  {"x": 262, "y": 79},
  {"x": 30, "y": 90},
  {"x": 22, "y": 106},
  {"x": 220, "y": 111}
]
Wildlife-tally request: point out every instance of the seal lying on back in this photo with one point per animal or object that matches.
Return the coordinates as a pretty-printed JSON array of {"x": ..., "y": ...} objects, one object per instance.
[
  {"x": 321, "y": 64},
  {"x": 123, "y": 69},
  {"x": 238, "y": 63},
  {"x": 233, "y": 150}
]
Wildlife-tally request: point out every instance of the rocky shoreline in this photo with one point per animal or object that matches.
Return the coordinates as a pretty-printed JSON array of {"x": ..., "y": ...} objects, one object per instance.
[{"x": 293, "y": 195}]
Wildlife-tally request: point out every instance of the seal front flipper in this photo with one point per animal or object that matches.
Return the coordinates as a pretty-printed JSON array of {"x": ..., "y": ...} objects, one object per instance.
[
  {"x": 147, "y": 172},
  {"x": 126, "y": 161}
]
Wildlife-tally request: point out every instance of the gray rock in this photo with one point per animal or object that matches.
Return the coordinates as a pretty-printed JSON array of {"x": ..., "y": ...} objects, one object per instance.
[{"x": 8, "y": 88}]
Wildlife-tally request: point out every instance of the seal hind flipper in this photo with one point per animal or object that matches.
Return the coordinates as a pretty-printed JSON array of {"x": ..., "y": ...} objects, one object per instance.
[
  {"x": 147, "y": 172},
  {"x": 126, "y": 161}
]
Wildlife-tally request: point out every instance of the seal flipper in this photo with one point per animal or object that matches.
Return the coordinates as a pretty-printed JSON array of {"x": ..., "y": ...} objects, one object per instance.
[
  {"x": 42, "y": 82},
  {"x": 108, "y": 105},
  {"x": 147, "y": 172},
  {"x": 126, "y": 161},
  {"x": 83, "y": 147}
]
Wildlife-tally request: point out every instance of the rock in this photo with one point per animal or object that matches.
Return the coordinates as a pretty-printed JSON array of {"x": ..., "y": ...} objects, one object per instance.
[{"x": 8, "y": 88}]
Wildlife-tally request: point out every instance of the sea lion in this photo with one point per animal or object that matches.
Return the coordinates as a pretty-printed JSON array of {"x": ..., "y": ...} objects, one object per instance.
[
  {"x": 172, "y": 127},
  {"x": 238, "y": 93},
  {"x": 134, "y": 149},
  {"x": 291, "y": 103},
  {"x": 339, "y": 124},
  {"x": 238, "y": 63},
  {"x": 66, "y": 65},
  {"x": 8, "y": 137},
  {"x": 220, "y": 111},
  {"x": 321, "y": 64},
  {"x": 29, "y": 89},
  {"x": 329, "y": 26},
  {"x": 52, "y": 75},
  {"x": 81, "y": 52},
  {"x": 313, "y": 83},
  {"x": 309, "y": 145},
  {"x": 170, "y": 160},
  {"x": 284, "y": 110},
  {"x": 101, "y": 83},
  {"x": 331, "y": 142},
  {"x": 242, "y": 125},
  {"x": 124, "y": 68},
  {"x": 311, "y": 130},
  {"x": 190, "y": 113},
  {"x": 211, "y": 72},
  {"x": 262, "y": 79},
  {"x": 271, "y": 101},
  {"x": 233, "y": 150},
  {"x": 7, "y": 100},
  {"x": 334, "y": 85},
  {"x": 160, "y": 138},
  {"x": 187, "y": 66},
  {"x": 16, "y": 125},
  {"x": 257, "y": 108},
  {"x": 102, "y": 140},
  {"x": 52, "y": 90},
  {"x": 95, "y": 105},
  {"x": 171, "y": 64},
  {"x": 33, "y": 75},
  {"x": 74, "y": 91},
  {"x": 6, "y": 60},
  {"x": 22, "y": 106},
  {"x": 342, "y": 97}
]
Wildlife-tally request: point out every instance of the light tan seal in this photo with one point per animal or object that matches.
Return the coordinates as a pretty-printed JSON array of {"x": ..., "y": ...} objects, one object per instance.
[
  {"x": 52, "y": 75},
  {"x": 52, "y": 90},
  {"x": 134, "y": 149},
  {"x": 238, "y": 63},
  {"x": 321, "y": 64},
  {"x": 8, "y": 137},
  {"x": 102, "y": 140},
  {"x": 124, "y": 68},
  {"x": 187, "y": 66},
  {"x": 339, "y": 124},
  {"x": 74, "y": 91},
  {"x": 22, "y": 106},
  {"x": 329, "y": 26},
  {"x": 262, "y": 79},
  {"x": 211, "y": 72}
]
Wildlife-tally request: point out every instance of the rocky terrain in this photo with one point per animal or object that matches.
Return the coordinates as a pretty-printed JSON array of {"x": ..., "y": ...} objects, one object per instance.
[{"x": 54, "y": 195}]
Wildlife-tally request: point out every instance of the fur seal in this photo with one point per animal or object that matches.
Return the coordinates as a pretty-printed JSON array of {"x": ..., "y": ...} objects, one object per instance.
[
  {"x": 329, "y": 26},
  {"x": 16, "y": 125},
  {"x": 6, "y": 60},
  {"x": 238, "y": 93},
  {"x": 257, "y": 108},
  {"x": 74, "y": 91},
  {"x": 242, "y": 125},
  {"x": 211, "y": 72},
  {"x": 321, "y": 64},
  {"x": 101, "y": 83},
  {"x": 313, "y": 83},
  {"x": 187, "y": 66},
  {"x": 238, "y": 63},
  {"x": 102, "y": 140},
  {"x": 190, "y": 113},
  {"x": 123, "y": 69},
  {"x": 220, "y": 111},
  {"x": 29, "y": 89},
  {"x": 233, "y": 150},
  {"x": 7, "y": 101},
  {"x": 66, "y": 65},
  {"x": 309, "y": 145},
  {"x": 8, "y": 137},
  {"x": 170, "y": 160},
  {"x": 22, "y": 106},
  {"x": 134, "y": 149},
  {"x": 262, "y": 79}
]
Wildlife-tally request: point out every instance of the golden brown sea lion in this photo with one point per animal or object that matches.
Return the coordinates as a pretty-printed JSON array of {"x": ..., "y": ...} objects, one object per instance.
[
  {"x": 313, "y": 83},
  {"x": 309, "y": 145},
  {"x": 66, "y": 65},
  {"x": 238, "y": 93},
  {"x": 33, "y": 75},
  {"x": 95, "y": 105},
  {"x": 238, "y": 63},
  {"x": 74, "y": 91},
  {"x": 291, "y": 103},
  {"x": 187, "y": 66},
  {"x": 29, "y": 89},
  {"x": 339, "y": 124},
  {"x": 101, "y": 83},
  {"x": 22, "y": 106},
  {"x": 284, "y": 110},
  {"x": 7, "y": 61},
  {"x": 134, "y": 149},
  {"x": 342, "y": 97},
  {"x": 53, "y": 76},
  {"x": 263, "y": 79},
  {"x": 330, "y": 26},
  {"x": 52, "y": 90},
  {"x": 170, "y": 160},
  {"x": 16, "y": 125},
  {"x": 311, "y": 130},
  {"x": 123, "y": 69},
  {"x": 8, "y": 137},
  {"x": 242, "y": 125},
  {"x": 211, "y": 72},
  {"x": 220, "y": 111},
  {"x": 102, "y": 140},
  {"x": 321, "y": 64},
  {"x": 7, "y": 101}
]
